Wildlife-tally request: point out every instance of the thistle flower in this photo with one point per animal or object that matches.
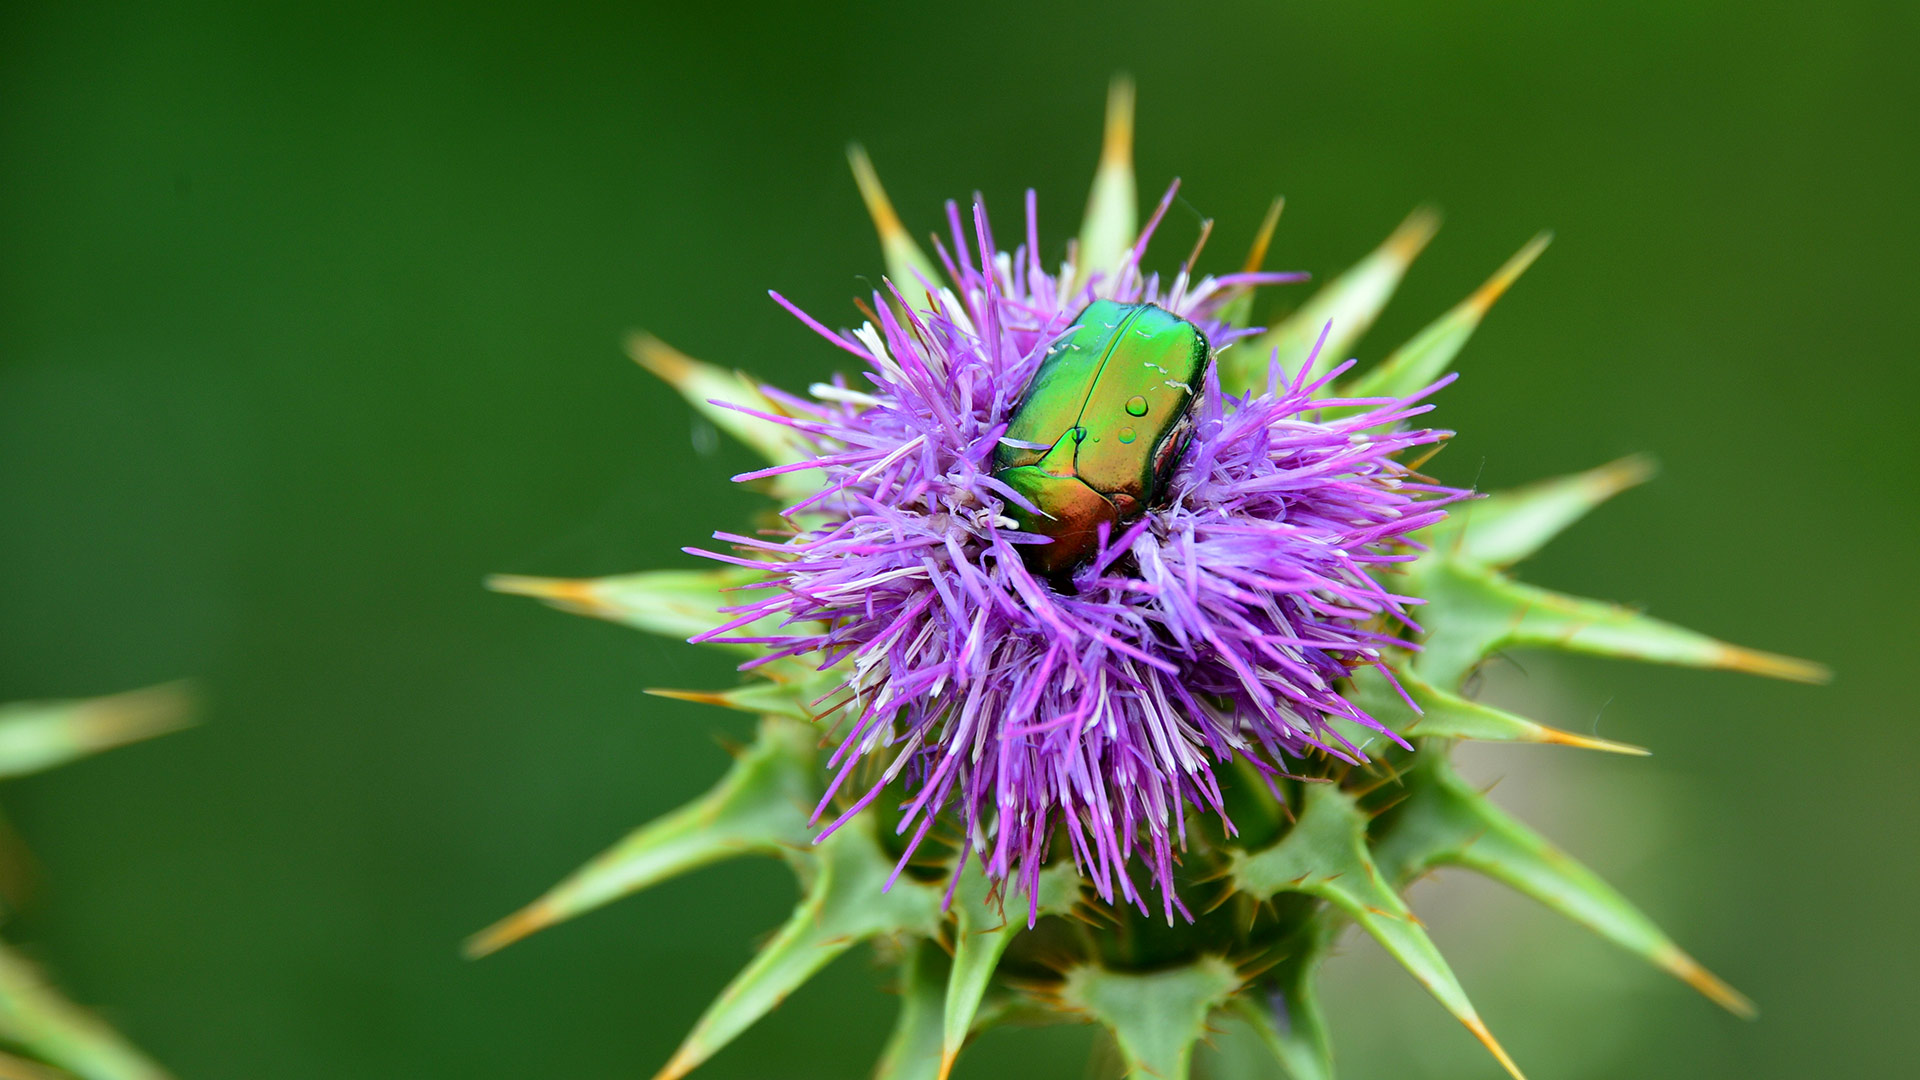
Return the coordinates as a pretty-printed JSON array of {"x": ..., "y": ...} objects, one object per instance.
[
  {"x": 1216, "y": 625},
  {"x": 1243, "y": 663}
]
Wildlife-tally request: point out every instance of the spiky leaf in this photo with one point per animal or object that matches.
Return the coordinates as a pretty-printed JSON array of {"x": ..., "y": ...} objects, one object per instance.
[
  {"x": 913, "y": 1050},
  {"x": 1349, "y": 303},
  {"x": 984, "y": 925},
  {"x": 1325, "y": 855},
  {"x": 907, "y": 265},
  {"x": 759, "y": 807},
  {"x": 673, "y": 603},
  {"x": 1415, "y": 365},
  {"x": 1474, "y": 612},
  {"x": 1239, "y": 311},
  {"x": 1113, "y": 210},
  {"x": 704, "y": 385},
  {"x": 844, "y": 905},
  {"x": 40, "y": 735},
  {"x": 1446, "y": 822},
  {"x": 1445, "y": 715},
  {"x": 1510, "y": 525},
  {"x": 35, "y": 1016},
  {"x": 793, "y": 700}
]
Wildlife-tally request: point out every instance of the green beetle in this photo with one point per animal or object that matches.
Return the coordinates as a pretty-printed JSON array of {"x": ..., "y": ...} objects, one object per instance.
[{"x": 1101, "y": 427}]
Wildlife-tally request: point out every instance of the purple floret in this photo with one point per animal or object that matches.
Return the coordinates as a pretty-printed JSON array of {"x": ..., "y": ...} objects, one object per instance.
[{"x": 1218, "y": 624}]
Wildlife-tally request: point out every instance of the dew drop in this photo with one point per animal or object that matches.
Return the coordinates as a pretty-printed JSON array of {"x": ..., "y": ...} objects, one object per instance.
[
  {"x": 1126, "y": 435},
  {"x": 1136, "y": 406}
]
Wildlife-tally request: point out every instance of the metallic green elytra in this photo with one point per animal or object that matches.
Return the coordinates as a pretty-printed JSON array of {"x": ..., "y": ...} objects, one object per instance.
[{"x": 1101, "y": 427}]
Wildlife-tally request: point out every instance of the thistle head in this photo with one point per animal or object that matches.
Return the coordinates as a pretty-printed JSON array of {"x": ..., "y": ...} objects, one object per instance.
[
  {"x": 1090, "y": 602},
  {"x": 1210, "y": 619}
]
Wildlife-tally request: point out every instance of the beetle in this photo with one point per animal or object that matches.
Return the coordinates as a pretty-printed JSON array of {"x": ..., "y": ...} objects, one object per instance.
[{"x": 1100, "y": 428}]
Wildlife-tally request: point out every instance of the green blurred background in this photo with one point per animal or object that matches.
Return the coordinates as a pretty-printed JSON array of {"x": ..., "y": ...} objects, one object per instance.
[{"x": 310, "y": 319}]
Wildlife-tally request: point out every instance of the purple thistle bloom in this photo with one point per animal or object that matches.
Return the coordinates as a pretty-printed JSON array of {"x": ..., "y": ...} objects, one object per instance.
[{"x": 1217, "y": 624}]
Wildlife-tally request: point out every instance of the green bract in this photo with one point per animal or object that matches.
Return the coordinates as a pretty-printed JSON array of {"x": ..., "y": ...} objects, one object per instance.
[{"x": 54, "y": 1037}]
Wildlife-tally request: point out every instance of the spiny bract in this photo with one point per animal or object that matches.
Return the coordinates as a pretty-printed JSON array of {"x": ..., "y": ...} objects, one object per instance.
[
  {"x": 53, "y": 1037},
  {"x": 1241, "y": 652}
]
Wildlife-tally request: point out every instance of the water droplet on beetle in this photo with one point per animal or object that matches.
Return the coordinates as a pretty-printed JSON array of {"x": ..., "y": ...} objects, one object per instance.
[
  {"x": 1126, "y": 435},
  {"x": 1136, "y": 406}
]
